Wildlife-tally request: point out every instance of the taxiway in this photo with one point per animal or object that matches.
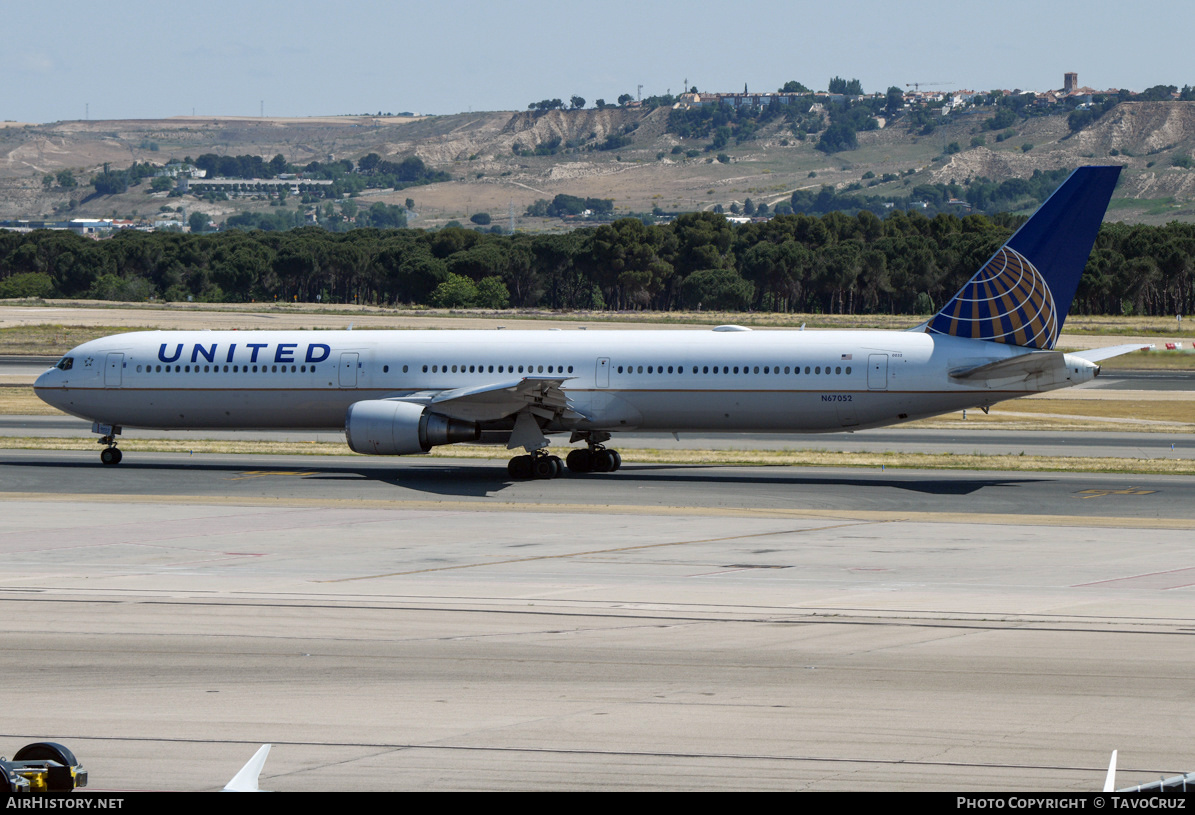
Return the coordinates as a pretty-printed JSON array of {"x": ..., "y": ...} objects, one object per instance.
[{"x": 428, "y": 624}]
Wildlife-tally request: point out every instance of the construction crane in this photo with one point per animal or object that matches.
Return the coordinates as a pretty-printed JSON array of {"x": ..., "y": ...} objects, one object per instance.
[{"x": 919, "y": 85}]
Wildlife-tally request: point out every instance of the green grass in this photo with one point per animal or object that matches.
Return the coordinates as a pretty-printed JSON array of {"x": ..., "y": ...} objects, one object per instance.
[
  {"x": 1149, "y": 206},
  {"x": 1153, "y": 211}
]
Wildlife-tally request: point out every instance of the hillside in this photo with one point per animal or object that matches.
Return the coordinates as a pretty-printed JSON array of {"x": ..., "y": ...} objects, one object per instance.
[
  {"x": 1145, "y": 137},
  {"x": 479, "y": 151}
]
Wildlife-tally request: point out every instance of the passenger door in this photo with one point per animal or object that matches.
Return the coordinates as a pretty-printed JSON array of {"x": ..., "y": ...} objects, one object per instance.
[
  {"x": 348, "y": 370},
  {"x": 877, "y": 372},
  {"x": 114, "y": 370},
  {"x": 602, "y": 373}
]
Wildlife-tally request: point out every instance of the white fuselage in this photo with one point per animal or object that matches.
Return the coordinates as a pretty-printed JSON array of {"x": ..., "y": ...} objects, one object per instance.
[{"x": 780, "y": 381}]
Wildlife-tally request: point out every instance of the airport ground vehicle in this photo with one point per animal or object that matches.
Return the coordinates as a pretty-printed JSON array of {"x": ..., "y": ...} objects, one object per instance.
[{"x": 44, "y": 766}]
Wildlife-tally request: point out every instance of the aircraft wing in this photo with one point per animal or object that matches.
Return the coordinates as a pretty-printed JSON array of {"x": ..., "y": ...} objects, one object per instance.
[{"x": 540, "y": 395}]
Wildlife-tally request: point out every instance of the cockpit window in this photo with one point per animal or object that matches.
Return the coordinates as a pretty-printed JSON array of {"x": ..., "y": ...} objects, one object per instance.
[{"x": 65, "y": 364}]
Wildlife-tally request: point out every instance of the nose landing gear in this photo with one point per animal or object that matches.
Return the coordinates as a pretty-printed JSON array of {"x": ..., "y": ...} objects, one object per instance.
[{"x": 110, "y": 454}]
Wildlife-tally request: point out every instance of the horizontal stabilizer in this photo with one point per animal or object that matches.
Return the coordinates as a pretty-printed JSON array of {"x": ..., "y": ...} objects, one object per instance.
[
  {"x": 1096, "y": 354},
  {"x": 1026, "y": 365}
]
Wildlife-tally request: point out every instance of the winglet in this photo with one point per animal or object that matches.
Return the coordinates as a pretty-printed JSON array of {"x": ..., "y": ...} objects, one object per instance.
[
  {"x": 1110, "y": 781},
  {"x": 246, "y": 779}
]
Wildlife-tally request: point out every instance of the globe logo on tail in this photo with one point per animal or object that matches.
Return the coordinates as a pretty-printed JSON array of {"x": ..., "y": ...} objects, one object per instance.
[{"x": 1006, "y": 301}]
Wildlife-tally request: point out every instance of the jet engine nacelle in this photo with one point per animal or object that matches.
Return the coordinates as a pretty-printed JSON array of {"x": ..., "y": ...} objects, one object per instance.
[{"x": 380, "y": 427}]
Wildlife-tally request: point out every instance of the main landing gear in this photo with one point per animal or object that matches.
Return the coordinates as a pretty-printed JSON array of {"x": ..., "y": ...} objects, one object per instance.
[
  {"x": 110, "y": 454},
  {"x": 540, "y": 464},
  {"x": 596, "y": 459}
]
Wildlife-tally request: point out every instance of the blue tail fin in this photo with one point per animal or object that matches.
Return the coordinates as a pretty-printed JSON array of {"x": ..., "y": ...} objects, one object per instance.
[{"x": 1022, "y": 294}]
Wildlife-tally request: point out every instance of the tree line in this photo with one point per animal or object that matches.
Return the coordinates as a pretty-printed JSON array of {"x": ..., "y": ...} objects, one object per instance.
[
  {"x": 981, "y": 194},
  {"x": 854, "y": 112},
  {"x": 369, "y": 172},
  {"x": 906, "y": 263},
  {"x": 848, "y": 115}
]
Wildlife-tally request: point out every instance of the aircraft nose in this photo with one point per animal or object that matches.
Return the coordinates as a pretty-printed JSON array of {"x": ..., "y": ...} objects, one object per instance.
[
  {"x": 48, "y": 381},
  {"x": 48, "y": 385}
]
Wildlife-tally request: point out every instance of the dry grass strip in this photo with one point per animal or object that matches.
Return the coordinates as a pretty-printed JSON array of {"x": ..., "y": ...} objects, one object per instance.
[{"x": 756, "y": 458}]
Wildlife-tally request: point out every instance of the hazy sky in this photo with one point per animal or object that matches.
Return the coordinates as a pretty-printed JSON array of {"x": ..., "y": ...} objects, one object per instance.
[{"x": 136, "y": 59}]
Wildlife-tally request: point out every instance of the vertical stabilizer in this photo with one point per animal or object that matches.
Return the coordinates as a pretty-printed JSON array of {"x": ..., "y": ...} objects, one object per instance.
[{"x": 1022, "y": 294}]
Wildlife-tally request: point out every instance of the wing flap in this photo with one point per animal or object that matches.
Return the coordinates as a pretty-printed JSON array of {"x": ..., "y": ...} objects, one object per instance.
[{"x": 542, "y": 395}]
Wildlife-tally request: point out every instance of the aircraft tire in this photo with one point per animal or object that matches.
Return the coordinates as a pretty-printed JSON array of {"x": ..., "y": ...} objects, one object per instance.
[
  {"x": 603, "y": 462},
  {"x": 519, "y": 468},
  {"x": 544, "y": 467},
  {"x": 110, "y": 455},
  {"x": 580, "y": 461}
]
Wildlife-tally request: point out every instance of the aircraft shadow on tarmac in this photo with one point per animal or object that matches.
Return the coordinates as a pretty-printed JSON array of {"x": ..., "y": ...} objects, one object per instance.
[
  {"x": 447, "y": 479},
  {"x": 452, "y": 481}
]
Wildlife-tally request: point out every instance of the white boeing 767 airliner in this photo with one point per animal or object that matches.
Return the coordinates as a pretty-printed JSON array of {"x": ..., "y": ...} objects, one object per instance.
[{"x": 401, "y": 392}]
